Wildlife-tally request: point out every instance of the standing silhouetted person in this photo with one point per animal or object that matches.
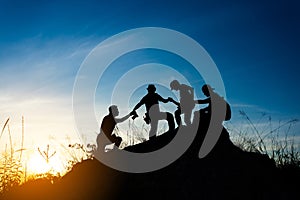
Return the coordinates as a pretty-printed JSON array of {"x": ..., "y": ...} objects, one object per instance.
[
  {"x": 153, "y": 113},
  {"x": 186, "y": 104},
  {"x": 109, "y": 123},
  {"x": 206, "y": 112}
]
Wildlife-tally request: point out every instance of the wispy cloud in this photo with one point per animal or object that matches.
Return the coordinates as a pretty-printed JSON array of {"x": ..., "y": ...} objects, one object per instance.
[{"x": 36, "y": 82}]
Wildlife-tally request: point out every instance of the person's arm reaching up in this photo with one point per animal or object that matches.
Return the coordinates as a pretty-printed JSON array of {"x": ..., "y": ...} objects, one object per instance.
[{"x": 118, "y": 120}]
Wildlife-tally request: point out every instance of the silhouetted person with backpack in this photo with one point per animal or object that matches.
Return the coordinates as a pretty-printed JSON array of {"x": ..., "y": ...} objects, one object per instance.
[
  {"x": 153, "y": 113},
  {"x": 186, "y": 104},
  {"x": 206, "y": 112},
  {"x": 109, "y": 123}
]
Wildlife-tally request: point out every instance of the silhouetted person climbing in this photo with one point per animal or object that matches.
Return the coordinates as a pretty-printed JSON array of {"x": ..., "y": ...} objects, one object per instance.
[
  {"x": 153, "y": 114},
  {"x": 109, "y": 123},
  {"x": 186, "y": 104},
  {"x": 205, "y": 113}
]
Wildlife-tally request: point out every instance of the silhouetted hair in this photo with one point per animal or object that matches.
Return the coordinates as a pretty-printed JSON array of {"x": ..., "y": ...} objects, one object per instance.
[
  {"x": 151, "y": 87},
  {"x": 111, "y": 108},
  {"x": 174, "y": 84},
  {"x": 207, "y": 87}
]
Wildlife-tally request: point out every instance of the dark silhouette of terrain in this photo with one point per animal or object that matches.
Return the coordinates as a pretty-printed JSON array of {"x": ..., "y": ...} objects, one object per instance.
[{"x": 226, "y": 173}]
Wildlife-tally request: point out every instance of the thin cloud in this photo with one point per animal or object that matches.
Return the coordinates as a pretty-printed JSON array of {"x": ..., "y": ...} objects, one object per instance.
[{"x": 36, "y": 82}]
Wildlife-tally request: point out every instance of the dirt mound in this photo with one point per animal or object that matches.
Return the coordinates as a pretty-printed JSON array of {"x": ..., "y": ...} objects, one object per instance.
[{"x": 227, "y": 172}]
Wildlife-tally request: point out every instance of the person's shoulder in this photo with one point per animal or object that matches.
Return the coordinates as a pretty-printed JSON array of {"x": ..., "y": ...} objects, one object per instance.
[
  {"x": 145, "y": 97},
  {"x": 107, "y": 117},
  {"x": 157, "y": 95},
  {"x": 218, "y": 97},
  {"x": 185, "y": 87}
]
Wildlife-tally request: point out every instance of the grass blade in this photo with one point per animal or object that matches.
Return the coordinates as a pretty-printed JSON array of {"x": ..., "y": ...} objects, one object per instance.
[{"x": 4, "y": 127}]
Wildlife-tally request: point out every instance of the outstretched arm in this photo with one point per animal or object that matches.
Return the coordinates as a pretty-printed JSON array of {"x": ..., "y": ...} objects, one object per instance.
[
  {"x": 202, "y": 101},
  {"x": 118, "y": 120},
  {"x": 173, "y": 101},
  {"x": 162, "y": 99},
  {"x": 137, "y": 106}
]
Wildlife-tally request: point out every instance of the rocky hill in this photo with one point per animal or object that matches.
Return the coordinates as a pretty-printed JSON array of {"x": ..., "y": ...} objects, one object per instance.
[{"x": 226, "y": 173}]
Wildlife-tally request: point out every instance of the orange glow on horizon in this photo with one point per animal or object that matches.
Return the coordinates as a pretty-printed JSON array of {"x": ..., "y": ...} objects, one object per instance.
[{"x": 38, "y": 165}]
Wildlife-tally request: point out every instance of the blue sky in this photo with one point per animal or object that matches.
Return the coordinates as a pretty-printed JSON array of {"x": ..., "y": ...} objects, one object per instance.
[{"x": 43, "y": 43}]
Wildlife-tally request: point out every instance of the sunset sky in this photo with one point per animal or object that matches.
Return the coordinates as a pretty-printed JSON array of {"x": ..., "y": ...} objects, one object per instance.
[{"x": 255, "y": 46}]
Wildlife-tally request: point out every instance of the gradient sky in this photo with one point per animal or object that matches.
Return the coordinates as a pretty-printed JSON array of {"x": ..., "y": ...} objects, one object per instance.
[{"x": 255, "y": 46}]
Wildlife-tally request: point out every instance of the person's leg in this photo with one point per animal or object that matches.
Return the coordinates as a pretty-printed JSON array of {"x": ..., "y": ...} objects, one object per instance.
[
  {"x": 117, "y": 141},
  {"x": 178, "y": 117},
  {"x": 170, "y": 120},
  {"x": 196, "y": 118},
  {"x": 99, "y": 144},
  {"x": 104, "y": 139},
  {"x": 169, "y": 117},
  {"x": 154, "y": 115},
  {"x": 187, "y": 118},
  {"x": 153, "y": 128}
]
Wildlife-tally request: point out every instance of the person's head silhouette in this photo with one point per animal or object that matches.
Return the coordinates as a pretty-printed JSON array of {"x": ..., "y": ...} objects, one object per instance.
[
  {"x": 174, "y": 85},
  {"x": 151, "y": 88},
  {"x": 113, "y": 110},
  {"x": 207, "y": 90}
]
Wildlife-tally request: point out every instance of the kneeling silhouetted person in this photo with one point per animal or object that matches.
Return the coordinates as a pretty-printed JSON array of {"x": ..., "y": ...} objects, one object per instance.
[{"x": 108, "y": 125}]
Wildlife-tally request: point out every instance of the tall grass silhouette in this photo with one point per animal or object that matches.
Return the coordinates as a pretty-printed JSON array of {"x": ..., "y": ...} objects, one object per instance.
[
  {"x": 133, "y": 135},
  {"x": 77, "y": 153},
  {"x": 268, "y": 137},
  {"x": 11, "y": 172}
]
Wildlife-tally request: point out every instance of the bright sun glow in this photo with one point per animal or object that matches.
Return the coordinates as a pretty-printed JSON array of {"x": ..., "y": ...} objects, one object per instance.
[{"x": 38, "y": 165}]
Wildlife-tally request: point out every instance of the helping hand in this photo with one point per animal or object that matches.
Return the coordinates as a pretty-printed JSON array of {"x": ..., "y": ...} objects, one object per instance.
[{"x": 134, "y": 114}]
